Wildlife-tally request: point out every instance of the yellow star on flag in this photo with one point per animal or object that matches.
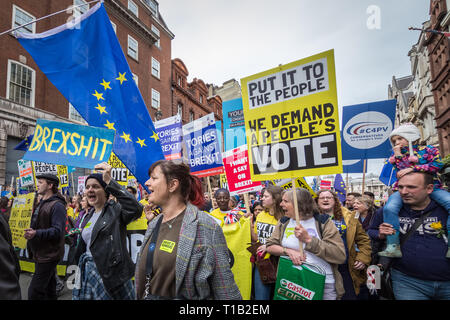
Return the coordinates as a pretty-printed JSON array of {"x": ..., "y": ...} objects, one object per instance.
[
  {"x": 125, "y": 137},
  {"x": 155, "y": 136},
  {"x": 98, "y": 95},
  {"x": 109, "y": 125},
  {"x": 141, "y": 142},
  {"x": 101, "y": 109},
  {"x": 121, "y": 77},
  {"x": 105, "y": 84}
]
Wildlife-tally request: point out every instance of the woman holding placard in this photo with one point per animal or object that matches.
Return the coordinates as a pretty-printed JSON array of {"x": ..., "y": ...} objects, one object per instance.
[{"x": 319, "y": 236}]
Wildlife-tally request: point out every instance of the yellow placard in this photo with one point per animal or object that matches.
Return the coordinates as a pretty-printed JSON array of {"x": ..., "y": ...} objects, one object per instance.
[
  {"x": 292, "y": 119},
  {"x": 20, "y": 218},
  {"x": 299, "y": 183}
]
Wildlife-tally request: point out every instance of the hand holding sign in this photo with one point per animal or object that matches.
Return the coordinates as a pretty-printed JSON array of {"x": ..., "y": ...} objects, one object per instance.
[{"x": 105, "y": 169}]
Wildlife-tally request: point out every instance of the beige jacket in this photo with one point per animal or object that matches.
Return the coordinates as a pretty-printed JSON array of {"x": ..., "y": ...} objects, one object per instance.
[{"x": 330, "y": 247}]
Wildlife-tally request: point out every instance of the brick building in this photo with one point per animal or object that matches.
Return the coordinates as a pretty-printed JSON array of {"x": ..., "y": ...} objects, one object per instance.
[
  {"x": 25, "y": 92},
  {"x": 438, "y": 46}
]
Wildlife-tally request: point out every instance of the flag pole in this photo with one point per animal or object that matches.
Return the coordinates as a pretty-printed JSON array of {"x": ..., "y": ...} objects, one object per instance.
[
  {"x": 45, "y": 17},
  {"x": 297, "y": 215},
  {"x": 364, "y": 176}
]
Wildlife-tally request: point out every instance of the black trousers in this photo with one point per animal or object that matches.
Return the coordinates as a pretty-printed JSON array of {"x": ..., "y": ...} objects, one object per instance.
[{"x": 43, "y": 283}]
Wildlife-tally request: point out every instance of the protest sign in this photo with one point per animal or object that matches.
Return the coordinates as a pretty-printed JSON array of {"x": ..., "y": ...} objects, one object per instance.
[
  {"x": 63, "y": 176},
  {"x": 366, "y": 129},
  {"x": 58, "y": 170},
  {"x": 25, "y": 173},
  {"x": 233, "y": 124},
  {"x": 299, "y": 183},
  {"x": 169, "y": 131},
  {"x": 202, "y": 143},
  {"x": 238, "y": 172},
  {"x": 119, "y": 171},
  {"x": 20, "y": 218},
  {"x": 223, "y": 181},
  {"x": 81, "y": 184},
  {"x": 70, "y": 144},
  {"x": 291, "y": 119}
]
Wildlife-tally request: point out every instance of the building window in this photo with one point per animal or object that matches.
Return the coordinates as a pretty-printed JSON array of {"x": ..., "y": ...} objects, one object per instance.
[
  {"x": 78, "y": 11},
  {"x": 136, "y": 79},
  {"x": 201, "y": 99},
  {"x": 156, "y": 31},
  {"x": 191, "y": 116},
  {"x": 152, "y": 5},
  {"x": 155, "y": 67},
  {"x": 155, "y": 99},
  {"x": 21, "y": 83},
  {"x": 21, "y": 17},
  {"x": 179, "y": 81},
  {"x": 133, "y": 48},
  {"x": 180, "y": 109},
  {"x": 114, "y": 26},
  {"x": 133, "y": 8},
  {"x": 74, "y": 115}
]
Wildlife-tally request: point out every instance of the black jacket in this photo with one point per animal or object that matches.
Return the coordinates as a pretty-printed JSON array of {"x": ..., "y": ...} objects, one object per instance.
[
  {"x": 9, "y": 265},
  {"x": 109, "y": 236}
]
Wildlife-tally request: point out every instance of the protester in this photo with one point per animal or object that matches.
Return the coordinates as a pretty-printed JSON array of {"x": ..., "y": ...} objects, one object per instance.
[
  {"x": 407, "y": 157},
  {"x": 372, "y": 197},
  {"x": 350, "y": 198},
  {"x": 46, "y": 237},
  {"x": 256, "y": 209},
  {"x": 105, "y": 266},
  {"x": 356, "y": 241},
  {"x": 423, "y": 271},
  {"x": 184, "y": 252},
  {"x": 9, "y": 265},
  {"x": 225, "y": 214},
  {"x": 5, "y": 210},
  {"x": 207, "y": 206},
  {"x": 132, "y": 190},
  {"x": 365, "y": 210},
  {"x": 321, "y": 240}
]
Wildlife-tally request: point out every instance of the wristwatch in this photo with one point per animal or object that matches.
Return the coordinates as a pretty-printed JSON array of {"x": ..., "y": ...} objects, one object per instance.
[{"x": 284, "y": 251}]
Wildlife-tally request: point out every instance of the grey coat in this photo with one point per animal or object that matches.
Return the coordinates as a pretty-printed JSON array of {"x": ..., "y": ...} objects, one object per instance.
[{"x": 202, "y": 266}]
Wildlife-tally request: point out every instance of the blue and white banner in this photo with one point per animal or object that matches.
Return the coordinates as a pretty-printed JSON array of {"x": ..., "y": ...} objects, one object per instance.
[
  {"x": 366, "y": 130},
  {"x": 233, "y": 124},
  {"x": 170, "y": 136}
]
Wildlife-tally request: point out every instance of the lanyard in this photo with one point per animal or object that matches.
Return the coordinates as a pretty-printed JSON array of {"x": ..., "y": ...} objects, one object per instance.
[{"x": 151, "y": 248}]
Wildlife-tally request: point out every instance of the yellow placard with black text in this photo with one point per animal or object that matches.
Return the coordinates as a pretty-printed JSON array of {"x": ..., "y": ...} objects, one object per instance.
[{"x": 292, "y": 119}]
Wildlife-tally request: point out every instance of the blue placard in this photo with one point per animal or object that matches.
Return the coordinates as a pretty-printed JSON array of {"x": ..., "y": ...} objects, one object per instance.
[
  {"x": 169, "y": 131},
  {"x": 70, "y": 144},
  {"x": 202, "y": 143},
  {"x": 366, "y": 130},
  {"x": 233, "y": 124}
]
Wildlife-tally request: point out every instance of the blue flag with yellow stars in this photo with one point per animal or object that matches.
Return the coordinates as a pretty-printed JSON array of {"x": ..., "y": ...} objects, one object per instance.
[
  {"x": 84, "y": 60},
  {"x": 388, "y": 174},
  {"x": 25, "y": 143},
  {"x": 339, "y": 187}
]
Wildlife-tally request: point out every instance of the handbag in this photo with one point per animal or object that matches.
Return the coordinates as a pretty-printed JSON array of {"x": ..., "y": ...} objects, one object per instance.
[
  {"x": 386, "y": 290},
  {"x": 267, "y": 268}
]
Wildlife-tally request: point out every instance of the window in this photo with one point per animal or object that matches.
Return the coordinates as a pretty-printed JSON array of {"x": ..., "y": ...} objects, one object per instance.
[
  {"x": 180, "y": 109},
  {"x": 155, "y": 67},
  {"x": 153, "y": 6},
  {"x": 74, "y": 115},
  {"x": 21, "y": 17},
  {"x": 156, "y": 31},
  {"x": 179, "y": 81},
  {"x": 132, "y": 47},
  {"x": 114, "y": 26},
  {"x": 201, "y": 99},
  {"x": 21, "y": 83},
  {"x": 136, "y": 79},
  {"x": 191, "y": 116},
  {"x": 133, "y": 8},
  {"x": 155, "y": 99}
]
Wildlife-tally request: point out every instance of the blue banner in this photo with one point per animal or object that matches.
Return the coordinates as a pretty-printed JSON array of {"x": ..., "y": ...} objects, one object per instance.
[
  {"x": 202, "y": 143},
  {"x": 366, "y": 130},
  {"x": 233, "y": 124},
  {"x": 169, "y": 131},
  {"x": 85, "y": 61},
  {"x": 353, "y": 166},
  {"x": 70, "y": 144}
]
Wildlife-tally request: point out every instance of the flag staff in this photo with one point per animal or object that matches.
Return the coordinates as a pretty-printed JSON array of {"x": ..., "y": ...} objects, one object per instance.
[
  {"x": 45, "y": 17},
  {"x": 364, "y": 176}
]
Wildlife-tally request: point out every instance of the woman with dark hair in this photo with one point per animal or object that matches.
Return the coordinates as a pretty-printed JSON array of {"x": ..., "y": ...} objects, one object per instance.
[
  {"x": 5, "y": 210},
  {"x": 261, "y": 230},
  {"x": 321, "y": 241},
  {"x": 184, "y": 252},
  {"x": 105, "y": 267},
  {"x": 356, "y": 241}
]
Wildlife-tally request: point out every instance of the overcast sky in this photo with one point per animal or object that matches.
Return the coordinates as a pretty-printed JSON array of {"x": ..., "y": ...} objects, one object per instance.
[{"x": 219, "y": 40}]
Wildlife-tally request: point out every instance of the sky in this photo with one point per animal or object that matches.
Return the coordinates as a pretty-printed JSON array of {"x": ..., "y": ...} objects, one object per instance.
[{"x": 219, "y": 40}]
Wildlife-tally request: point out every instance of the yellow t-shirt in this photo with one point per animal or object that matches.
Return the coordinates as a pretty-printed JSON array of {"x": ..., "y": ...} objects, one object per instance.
[
  {"x": 219, "y": 215},
  {"x": 264, "y": 225}
]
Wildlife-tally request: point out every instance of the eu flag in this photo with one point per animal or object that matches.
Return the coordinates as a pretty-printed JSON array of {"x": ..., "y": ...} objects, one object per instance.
[
  {"x": 85, "y": 62},
  {"x": 388, "y": 174},
  {"x": 25, "y": 143},
  {"x": 339, "y": 187}
]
